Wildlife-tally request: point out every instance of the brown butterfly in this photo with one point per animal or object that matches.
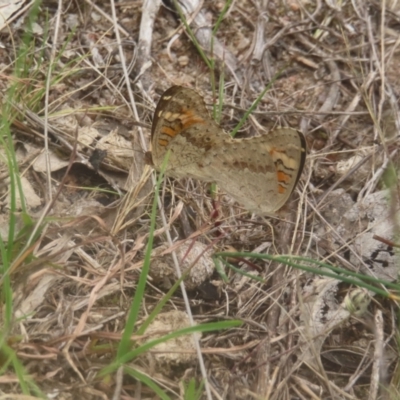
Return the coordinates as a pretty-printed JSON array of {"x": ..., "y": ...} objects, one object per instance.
[{"x": 259, "y": 172}]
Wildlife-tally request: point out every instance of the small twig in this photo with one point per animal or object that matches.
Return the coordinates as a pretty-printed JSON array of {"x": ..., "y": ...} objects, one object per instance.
[
  {"x": 342, "y": 179},
  {"x": 118, "y": 383},
  {"x": 203, "y": 33},
  {"x": 46, "y": 100},
  {"x": 371, "y": 184},
  {"x": 378, "y": 357},
  {"x": 143, "y": 60},
  {"x": 385, "y": 241}
]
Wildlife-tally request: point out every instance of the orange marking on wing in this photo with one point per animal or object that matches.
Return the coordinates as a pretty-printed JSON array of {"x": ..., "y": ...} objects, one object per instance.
[
  {"x": 162, "y": 142},
  {"x": 273, "y": 151},
  {"x": 281, "y": 189},
  {"x": 283, "y": 177},
  {"x": 169, "y": 131},
  {"x": 190, "y": 118}
]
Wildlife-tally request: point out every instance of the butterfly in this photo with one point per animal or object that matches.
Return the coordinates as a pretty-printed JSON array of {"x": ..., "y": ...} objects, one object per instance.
[{"x": 259, "y": 172}]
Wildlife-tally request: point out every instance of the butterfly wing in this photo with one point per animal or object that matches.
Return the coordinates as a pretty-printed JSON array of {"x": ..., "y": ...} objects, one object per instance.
[
  {"x": 260, "y": 172},
  {"x": 183, "y": 125}
]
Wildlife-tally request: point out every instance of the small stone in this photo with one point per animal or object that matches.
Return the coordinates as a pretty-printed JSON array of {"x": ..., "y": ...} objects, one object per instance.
[{"x": 183, "y": 61}]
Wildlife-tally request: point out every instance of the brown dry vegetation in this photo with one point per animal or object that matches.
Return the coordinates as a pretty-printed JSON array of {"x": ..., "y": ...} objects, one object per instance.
[{"x": 73, "y": 285}]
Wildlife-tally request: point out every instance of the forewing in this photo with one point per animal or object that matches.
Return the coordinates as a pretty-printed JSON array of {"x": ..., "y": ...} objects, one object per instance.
[{"x": 183, "y": 125}]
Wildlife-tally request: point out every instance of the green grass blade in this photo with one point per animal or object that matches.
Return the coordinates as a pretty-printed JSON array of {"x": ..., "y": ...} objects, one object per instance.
[
  {"x": 208, "y": 62},
  {"x": 191, "y": 393},
  {"x": 148, "y": 382},
  {"x": 241, "y": 272},
  {"x": 131, "y": 355},
  {"x": 157, "y": 309},
  {"x": 338, "y": 273},
  {"x": 255, "y": 103},
  {"x": 137, "y": 300},
  {"x": 221, "y": 17},
  {"x": 10, "y": 359}
]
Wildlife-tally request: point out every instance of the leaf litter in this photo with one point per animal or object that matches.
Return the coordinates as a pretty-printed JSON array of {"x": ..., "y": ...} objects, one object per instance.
[{"x": 339, "y": 85}]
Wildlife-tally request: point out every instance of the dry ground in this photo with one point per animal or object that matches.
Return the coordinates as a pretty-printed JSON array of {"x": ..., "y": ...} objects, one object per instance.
[{"x": 92, "y": 192}]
